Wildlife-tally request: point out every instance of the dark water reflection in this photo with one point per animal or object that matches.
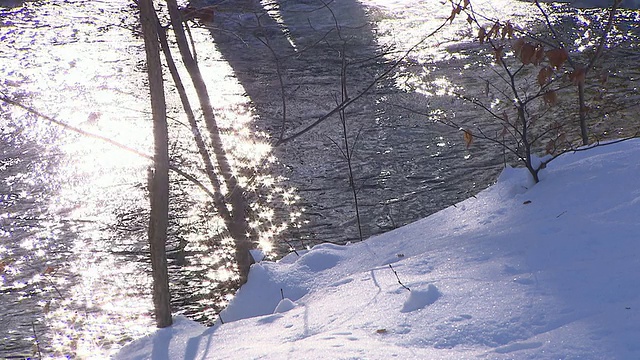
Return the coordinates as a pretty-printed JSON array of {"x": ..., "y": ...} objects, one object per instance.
[{"x": 404, "y": 167}]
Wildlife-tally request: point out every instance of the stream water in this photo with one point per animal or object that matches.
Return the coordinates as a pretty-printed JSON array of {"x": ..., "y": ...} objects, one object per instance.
[{"x": 74, "y": 273}]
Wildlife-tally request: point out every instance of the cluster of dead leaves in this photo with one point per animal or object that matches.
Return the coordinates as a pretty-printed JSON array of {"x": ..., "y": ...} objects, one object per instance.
[
  {"x": 457, "y": 9},
  {"x": 552, "y": 60},
  {"x": 535, "y": 54},
  {"x": 498, "y": 30}
]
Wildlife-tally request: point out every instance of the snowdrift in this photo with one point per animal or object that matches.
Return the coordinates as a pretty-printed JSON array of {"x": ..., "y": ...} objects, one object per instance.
[{"x": 521, "y": 271}]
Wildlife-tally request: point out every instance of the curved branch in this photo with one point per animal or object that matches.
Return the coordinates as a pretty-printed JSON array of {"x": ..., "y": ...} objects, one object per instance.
[{"x": 344, "y": 104}]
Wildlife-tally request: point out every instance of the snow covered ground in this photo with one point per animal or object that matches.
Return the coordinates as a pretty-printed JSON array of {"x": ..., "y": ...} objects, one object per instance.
[{"x": 550, "y": 271}]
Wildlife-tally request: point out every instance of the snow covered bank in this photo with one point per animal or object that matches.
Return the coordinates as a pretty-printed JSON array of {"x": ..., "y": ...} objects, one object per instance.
[{"x": 550, "y": 271}]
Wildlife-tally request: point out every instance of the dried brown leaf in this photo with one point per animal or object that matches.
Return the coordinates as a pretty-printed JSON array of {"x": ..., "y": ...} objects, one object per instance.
[
  {"x": 526, "y": 53},
  {"x": 551, "y": 147},
  {"x": 550, "y": 98},
  {"x": 538, "y": 55},
  {"x": 544, "y": 75},
  {"x": 561, "y": 138},
  {"x": 504, "y": 132},
  {"x": 557, "y": 57},
  {"x": 468, "y": 138},
  {"x": 453, "y": 15},
  {"x": 495, "y": 30},
  {"x": 499, "y": 54},
  {"x": 507, "y": 30},
  {"x": 578, "y": 76},
  {"x": 505, "y": 117},
  {"x": 517, "y": 46},
  {"x": 482, "y": 34},
  {"x": 466, "y": 4}
]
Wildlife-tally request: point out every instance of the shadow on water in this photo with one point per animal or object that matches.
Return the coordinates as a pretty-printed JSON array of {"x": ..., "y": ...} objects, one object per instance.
[{"x": 402, "y": 165}]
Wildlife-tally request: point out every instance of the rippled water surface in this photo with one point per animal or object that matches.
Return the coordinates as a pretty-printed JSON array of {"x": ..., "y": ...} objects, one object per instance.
[{"x": 74, "y": 274}]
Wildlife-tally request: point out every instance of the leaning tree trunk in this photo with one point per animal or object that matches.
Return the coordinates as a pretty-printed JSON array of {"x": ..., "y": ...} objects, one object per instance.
[
  {"x": 236, "y": 222},
  {"x": 159, "y": 177}
]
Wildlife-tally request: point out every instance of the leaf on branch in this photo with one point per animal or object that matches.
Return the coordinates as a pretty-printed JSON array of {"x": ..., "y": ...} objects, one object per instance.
[
  {"x": 3, "y": 265},
  {"x": 505, "y": 117},
  {"x": 466, "y": 4},
  {"x": 499, "y": 54},
  {"x": 550, "y": 98},
  {"x": 544, "y": 75},
  {"x": 469, "y": 19},
  {"x": 468, "y": 138},
  {"x": 454, "y": 11},
  {"x": 526, "y": 53},
  {"x": 507, "y": 30},
  {"x": 517, "y": 46},
  {"x": 578, "y": 76},
  {"x": 495, "y": 30},
  {"x": 482, "y": 34},
  {"x": 562, "y": 137},
  {"x": 538, "y": 55},
  {"x": 48, "y": 270},
  {"x": 551, "y": 147},
  {"x": 504, "y": 132},
  {"x": 557, "y": 57}
]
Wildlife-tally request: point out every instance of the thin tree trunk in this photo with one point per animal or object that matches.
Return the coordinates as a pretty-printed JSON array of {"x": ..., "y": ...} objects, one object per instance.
[
  {"x": 218, "y": 198},
  {"x": 159, "y": 177},
  {"x": 582, "y": 111}
]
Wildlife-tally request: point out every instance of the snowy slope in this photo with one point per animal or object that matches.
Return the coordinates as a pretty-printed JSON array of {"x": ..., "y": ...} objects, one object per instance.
[{"x": 550, "y": 271}]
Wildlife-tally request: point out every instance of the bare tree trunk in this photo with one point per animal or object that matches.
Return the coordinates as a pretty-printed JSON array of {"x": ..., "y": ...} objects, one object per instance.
[
  {"x": 582, "y": 111},
  {"x": 159, "y": 177}
]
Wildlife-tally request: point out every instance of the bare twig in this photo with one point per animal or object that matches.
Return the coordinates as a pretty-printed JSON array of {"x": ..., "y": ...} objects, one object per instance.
[
  {"x": 35, "y": 337},
  {"x": 398, "y": 277},
  {"x": 344, "y": 104}
]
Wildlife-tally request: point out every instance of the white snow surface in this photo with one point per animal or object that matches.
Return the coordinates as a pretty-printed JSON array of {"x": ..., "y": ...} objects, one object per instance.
[{"x": 521, "y": 271}]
